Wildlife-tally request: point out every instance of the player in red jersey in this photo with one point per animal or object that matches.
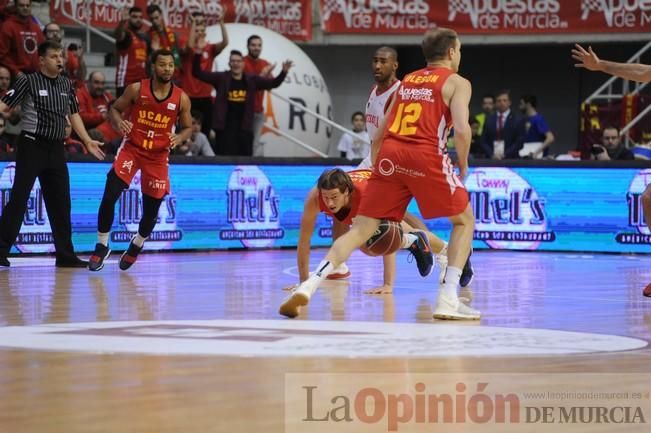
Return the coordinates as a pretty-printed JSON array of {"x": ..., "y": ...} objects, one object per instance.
[
  {"x": 338, "y": 194},
  {"x": 155, "y": 105},
  {"x": 413, "y": 162}
]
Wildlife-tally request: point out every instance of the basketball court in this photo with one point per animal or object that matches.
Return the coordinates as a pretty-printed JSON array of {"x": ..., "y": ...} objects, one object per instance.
[{"x": 192, "y": 342}]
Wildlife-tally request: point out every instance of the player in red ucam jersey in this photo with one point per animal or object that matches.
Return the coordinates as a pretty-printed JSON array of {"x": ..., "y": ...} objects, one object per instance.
[
  {"x": 413, "y": 163},
  {"x": 156, "y": 104}
]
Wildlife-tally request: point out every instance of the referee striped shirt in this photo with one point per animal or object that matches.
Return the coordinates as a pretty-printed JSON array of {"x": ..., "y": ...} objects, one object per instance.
[{"x": 45, "y": 102}]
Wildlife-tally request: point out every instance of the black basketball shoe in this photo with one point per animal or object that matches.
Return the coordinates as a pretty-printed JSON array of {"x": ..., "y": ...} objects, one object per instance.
[
  {"x": 130, "y": 256},
  {"x": 96, "y": 261},
  {"x": 422, "y": 253}
]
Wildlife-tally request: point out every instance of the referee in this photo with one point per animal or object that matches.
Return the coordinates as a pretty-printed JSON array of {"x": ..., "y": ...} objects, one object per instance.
[{"x": 47, "y": 99}]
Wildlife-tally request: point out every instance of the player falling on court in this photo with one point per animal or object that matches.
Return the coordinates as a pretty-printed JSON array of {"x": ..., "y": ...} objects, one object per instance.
[
  {"x": 156, "y": 104},
  {"x": 413, "y": 163},
  {"x": 338, "y": 195},
  {"x": 588, "y": 59}
]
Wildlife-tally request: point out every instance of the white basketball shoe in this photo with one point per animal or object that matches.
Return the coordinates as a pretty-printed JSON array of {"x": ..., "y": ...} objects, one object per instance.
[
  {"x": 298, "y": 298},
  {"x": 454, "y": 309}
]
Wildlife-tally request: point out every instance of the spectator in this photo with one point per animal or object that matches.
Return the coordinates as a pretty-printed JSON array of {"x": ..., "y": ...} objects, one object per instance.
[
  {"x": 12, "y": 126},
  {"x": 110, "y": 136},
  {"x": 5, "y": 147},
  {"x": 503, "y": 132},
  {"x": 200, "y": 93},
  {"x": 476, "y": 151},
  {"x": 197, "y": 144},
  {"x": 233, "y": 110},
  {"x": 20, "y": 37},
  {"x": 611, "y": 147},
  {"x": 253, "y": 64},
  {"x": 487, "y": 109},
  {"x": 75, "y": 64},
  {"x": 161, "y": 37},
  {"x": 356, "y": 145},
  {"x": 94, "y": 100},
  {"x": 538, "y": 137},
  {"x": 133, "y": 49},
  {"x": 6, "y": 9}
]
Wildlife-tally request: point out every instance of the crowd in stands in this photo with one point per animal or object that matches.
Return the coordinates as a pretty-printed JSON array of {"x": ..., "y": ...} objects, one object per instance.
[
  {"x": 227, "y": 106},
  {"x": 229, "y": 123}
]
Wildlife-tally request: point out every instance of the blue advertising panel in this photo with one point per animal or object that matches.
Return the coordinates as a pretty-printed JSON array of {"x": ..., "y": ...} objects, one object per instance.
[{"x": 260, "y": 206}]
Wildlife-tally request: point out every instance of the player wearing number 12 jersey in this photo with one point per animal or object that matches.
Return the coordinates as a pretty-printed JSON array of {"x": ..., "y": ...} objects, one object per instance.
[
  {"x": 412, "y": 163},
  {"x": 156, "y": 104}
]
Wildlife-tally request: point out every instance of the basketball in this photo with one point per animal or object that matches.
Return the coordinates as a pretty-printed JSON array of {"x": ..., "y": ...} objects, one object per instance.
[{"x": 386, "y": 239}]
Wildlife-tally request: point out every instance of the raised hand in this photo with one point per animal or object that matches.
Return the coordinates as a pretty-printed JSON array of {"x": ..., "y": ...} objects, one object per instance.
[
  {"x": 287, "y": 64},
  {"x": 587, "y": 59}
]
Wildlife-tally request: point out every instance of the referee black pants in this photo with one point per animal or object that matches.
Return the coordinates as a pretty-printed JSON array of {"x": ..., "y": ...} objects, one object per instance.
[{"x": 45, "y": 160}]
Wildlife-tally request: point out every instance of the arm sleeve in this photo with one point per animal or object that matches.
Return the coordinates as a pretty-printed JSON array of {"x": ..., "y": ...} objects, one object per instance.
[
  {"x": 207, "y": 77},
  {"x": 262, "y": 83}
]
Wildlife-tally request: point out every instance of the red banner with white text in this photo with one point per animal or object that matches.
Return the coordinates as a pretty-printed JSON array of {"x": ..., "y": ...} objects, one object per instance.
[
  {"x": 291, "y": 18},
  {"x": 486, "y": 16}
]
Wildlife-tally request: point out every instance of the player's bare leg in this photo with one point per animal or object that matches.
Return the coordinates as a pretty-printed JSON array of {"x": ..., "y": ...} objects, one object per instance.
[
  {"x": 338, "y": 230},
  {"x": 362, "y": 229},
  {"x": 448, "y": 305}
]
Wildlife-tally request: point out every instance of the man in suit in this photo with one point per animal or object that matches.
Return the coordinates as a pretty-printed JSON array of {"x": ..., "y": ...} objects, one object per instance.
[{"x": 504, "y": 131}]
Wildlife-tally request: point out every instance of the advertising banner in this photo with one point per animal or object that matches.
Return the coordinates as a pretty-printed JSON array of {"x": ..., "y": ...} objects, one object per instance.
[
  {"x": 292, "y": 18},
  {"x": 486, "y": 16},
  {"x": 249, "y": 206}
]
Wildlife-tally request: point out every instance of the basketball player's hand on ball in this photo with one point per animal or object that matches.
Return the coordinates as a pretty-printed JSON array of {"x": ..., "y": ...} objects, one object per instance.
[
  {"x": 125, "y": 126},
  {"x": 384, "y": 289},
  {"x": 174, "y": 139},
  {"x": 93, "y": 147},
  {"x": 287, "y": 64}
]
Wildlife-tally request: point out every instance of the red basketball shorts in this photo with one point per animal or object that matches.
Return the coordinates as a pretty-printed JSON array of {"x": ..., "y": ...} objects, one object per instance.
[
  {"x": 403, "y": 172},
  {"x": 154, "y": 169}
]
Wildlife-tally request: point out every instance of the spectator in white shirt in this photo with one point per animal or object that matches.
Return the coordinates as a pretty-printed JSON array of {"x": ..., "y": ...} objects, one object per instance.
[
  {"x": 355, "y": 145},
  {"x": 197, "y": 144}
]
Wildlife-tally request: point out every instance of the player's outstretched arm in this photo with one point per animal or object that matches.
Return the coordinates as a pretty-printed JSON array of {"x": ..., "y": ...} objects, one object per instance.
[
  {"x": 389, "y": 262},
  {"x": 588, "y": 59},
  {"x": 308, "y": 222}
]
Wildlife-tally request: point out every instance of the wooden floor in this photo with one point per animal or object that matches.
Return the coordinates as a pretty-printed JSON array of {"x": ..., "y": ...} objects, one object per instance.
[{"x": 98, "y": 388}]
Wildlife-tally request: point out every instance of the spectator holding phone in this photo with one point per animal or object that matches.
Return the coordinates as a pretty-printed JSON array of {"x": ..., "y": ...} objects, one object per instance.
[{"x": 611, "y": 147}]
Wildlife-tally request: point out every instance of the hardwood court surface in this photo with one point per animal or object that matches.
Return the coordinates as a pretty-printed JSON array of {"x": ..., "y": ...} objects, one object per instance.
[{"x": 78, "y": 391}]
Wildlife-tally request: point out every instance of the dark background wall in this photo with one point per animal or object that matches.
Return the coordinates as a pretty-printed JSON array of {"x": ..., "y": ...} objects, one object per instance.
[{"x": 546, "y": 71}]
